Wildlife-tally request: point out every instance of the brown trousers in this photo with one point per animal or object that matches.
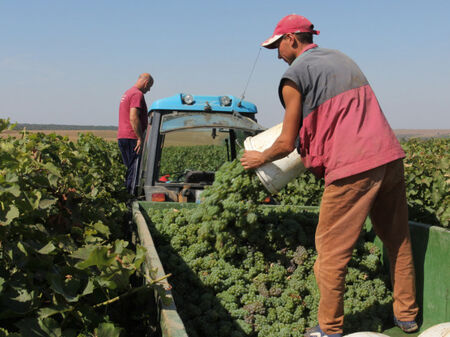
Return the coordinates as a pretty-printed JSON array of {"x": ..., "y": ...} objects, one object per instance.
[{"x": 345, "y": 205}]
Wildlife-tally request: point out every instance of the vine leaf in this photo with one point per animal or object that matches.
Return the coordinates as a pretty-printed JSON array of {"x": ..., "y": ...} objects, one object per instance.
[
  {"x": 47, "y": 249},
  {"x": 46, "y": 203},
  {"x": 12, "y": 214},
  {"x": 93, "y": 256},
  {"x": 50, "y": 311},
  {"x": 107, "y": 330}
]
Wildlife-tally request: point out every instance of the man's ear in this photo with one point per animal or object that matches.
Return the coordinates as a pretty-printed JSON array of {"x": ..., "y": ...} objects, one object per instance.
[{"x": 295, "y": 42}]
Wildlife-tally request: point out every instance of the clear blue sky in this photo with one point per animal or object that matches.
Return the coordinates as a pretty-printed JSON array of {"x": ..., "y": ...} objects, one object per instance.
[{"x": 68, "y": 62}]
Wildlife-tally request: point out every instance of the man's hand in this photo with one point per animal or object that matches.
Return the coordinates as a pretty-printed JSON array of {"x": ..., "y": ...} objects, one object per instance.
[
  {"x": 138, "y": 147},
  {"x": 136, "y": 125},
  {"x": 252, "y": 159}
]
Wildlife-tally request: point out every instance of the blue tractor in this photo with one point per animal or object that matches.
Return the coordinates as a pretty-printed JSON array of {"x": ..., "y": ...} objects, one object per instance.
[{"x": 188, "y": 138}]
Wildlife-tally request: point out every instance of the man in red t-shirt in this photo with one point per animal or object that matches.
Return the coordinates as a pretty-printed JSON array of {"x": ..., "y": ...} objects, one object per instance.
[{"x": 133, "y": 121}]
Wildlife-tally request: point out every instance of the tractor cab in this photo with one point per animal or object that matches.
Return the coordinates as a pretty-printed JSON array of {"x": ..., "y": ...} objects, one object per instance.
[{"x": 188, "y": 139}]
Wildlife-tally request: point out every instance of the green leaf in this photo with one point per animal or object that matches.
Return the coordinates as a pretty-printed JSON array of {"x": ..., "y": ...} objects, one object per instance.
[
  {"x": 119, "y": 246},
  {"x": 12, "y": 214},
  {"x": 14, "y": 190},
  {"x": 418, "y": 202},
  {"x": 53, "y": 180},
  {"x": 101, "y": 228},
  {"x": 107, "y": 330},
  {"x": 46, "y": 203},
  {"x": 50, "y": 311},
  {"x": 47, "y": 249},
  {"x": 11, "y": 177},
  {"x": 89, "y": 288},
  {"x": 52, "y": 169},
  {"x": 98, "y": 256},
  {"x": 22, "y": 248},
  {"x": 94, "y": 192},
  {"x": 35, "y": 203},
  {"x": 83, "y": 252}
]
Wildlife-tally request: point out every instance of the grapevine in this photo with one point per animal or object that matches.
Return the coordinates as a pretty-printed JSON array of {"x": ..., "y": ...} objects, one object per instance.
[{"x": 66, "y": 267}]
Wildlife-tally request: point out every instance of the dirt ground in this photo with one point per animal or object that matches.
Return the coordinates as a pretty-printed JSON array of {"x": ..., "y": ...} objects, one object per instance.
[
  {"x": 426, "y": 133},
  {"x": 110, "y": 135},
  {"x": 184, "y": 138}
]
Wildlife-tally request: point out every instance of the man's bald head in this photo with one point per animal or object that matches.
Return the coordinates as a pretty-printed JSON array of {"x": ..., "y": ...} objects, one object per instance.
[{"x": 145, "y": 82}]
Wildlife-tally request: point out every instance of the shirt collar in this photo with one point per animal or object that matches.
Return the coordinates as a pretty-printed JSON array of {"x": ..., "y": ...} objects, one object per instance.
[
  {"x": 308, "y": 47},
  {"x": 305, "y": 51}
]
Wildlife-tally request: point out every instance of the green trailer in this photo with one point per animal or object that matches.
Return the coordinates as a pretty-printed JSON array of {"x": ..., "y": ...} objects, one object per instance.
[{"x": 431, "y": 256}]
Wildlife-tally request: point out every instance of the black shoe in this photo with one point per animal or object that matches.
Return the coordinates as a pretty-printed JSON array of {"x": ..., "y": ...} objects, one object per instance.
[{"x": 317, "y": 332}]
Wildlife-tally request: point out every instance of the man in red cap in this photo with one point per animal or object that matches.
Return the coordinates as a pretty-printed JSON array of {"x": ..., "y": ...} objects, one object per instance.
[{"x": 343, "y": 136}]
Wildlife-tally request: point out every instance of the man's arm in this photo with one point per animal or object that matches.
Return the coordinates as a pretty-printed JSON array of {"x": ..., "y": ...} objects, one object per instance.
[
  {"x": 136, "y": 125},
  {"x": 285, "y": 143}
]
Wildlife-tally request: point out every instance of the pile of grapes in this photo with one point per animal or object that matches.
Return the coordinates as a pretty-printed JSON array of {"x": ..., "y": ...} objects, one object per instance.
[{"x": 245, "y": 269}]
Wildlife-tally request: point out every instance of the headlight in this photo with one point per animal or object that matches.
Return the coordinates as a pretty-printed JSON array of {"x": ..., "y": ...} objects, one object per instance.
[
  {"x": 225, "y": 100},
  {"x": 188, "y": 99}
]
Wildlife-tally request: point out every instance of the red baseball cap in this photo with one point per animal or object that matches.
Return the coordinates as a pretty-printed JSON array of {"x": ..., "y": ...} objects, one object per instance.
[{"x": 292, "y": 23}]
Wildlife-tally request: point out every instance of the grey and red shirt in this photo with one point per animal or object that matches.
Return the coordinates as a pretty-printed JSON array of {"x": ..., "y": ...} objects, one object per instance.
[
  {"x": 343, "y": 132},
  {"x": 132, "y": 98}
]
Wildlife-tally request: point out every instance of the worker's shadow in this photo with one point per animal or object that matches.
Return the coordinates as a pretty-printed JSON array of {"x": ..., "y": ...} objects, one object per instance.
[{"x": 197, "y": 305}]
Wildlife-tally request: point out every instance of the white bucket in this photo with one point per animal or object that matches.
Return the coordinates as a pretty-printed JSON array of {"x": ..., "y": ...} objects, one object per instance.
[
  {"x": 275, "y": 175},
  {"x": 366, "y": 334},
  {"x": 439, "y": 330}
]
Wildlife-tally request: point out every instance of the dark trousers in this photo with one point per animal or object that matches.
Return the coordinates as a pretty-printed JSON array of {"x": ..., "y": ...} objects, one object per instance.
[{"x": 131, "y": 160}]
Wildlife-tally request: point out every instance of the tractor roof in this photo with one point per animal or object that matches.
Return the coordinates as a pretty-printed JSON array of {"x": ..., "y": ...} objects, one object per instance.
[{"x": 186, "y": 102}]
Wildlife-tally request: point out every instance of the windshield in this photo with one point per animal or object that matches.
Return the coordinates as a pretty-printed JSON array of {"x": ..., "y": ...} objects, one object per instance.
[
  {"x": 182, "y": 120},
  {"x": 200, "y": 142},
  {"x": 201, "y": 149}
]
